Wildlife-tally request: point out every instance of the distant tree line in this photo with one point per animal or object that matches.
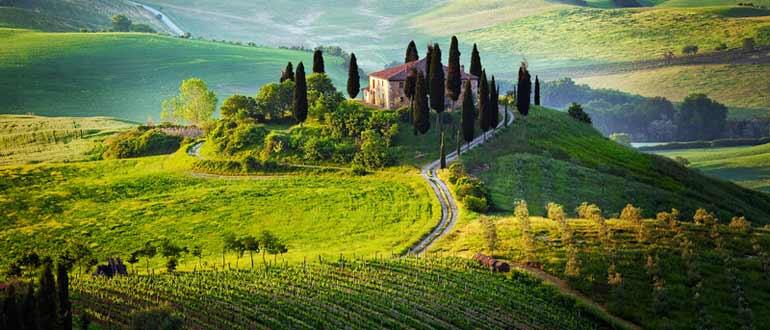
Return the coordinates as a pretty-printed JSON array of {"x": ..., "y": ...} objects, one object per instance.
[{"x": 652, "y": 119}]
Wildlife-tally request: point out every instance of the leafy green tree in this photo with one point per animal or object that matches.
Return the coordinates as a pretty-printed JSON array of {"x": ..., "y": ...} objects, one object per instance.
[
  {"x": 690, "y": 50},
  {"x": 318, "y": 62},
  {"x": 236, "y": 103},
  {"x": 411, "y": 53},
  {"x": 319, "y": 84},
  {"x": 421, "y": 112},
  {"x": 300, "y": 104},
  {"x": 65, "y": 307},
  {"x": 287, "y": 73},
  {"x": 121, "y": 23},
  {"x": 197, "y": 252},
  {"x": 195, "y": 103},
  {"x": 469, "y": 114},
  {"x": 700, "y": 118},
  {"x": 576, "y": 112},
  {"x": 46, "y": 302},
  {"x": 251, "y": 244},
  {"x": 149, "y": 250},
  {"x": 475, "y": 68},
  {"x": 485, "y": 119},
  {"x": 490, "y": 234},
  {"x": 273, "y": 100},
  {"x": 171, "y": 252},
  {"x": 374, "y": 153},
  {"x": 354, "y": 80},
  {"x": 454, "y": 72},
  {"x": 437, "y": 81},
  {"x": 142, "y": 28},
  {"x": 268, "y": 241},
  {"x": 537, "y": 91}
]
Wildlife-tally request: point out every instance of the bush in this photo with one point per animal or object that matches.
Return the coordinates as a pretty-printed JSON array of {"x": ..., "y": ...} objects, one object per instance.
[
  {"x": 231, "y": 137},
  {"x": 740, "y": 224},
  {"x": 155, "y": 318},
  {"x": 576, "y": 112},
  {"x": 374, "y": 152},
  {"x": 141, "y": 142},
  {"x": 318, "y": 148},
  {"x": 475, "y": 204},
  {"x": 631, "y": 214},
  {"x": 456, "y": 171}
]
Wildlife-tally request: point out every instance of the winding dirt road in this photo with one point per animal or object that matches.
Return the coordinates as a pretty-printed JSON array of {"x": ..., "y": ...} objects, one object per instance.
[{"x": 449, "y": 210}]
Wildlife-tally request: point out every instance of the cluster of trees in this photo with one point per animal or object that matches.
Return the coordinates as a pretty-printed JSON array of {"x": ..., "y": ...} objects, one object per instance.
[
  {"x": 652, "y": 119},
  {"x": 266, "y": 242},
  {"x": 139, "y": 142},
  {"x": 40, "y": 304},
  {"x": 121, "y": 23},
  {"x": 471, "y": 191}
]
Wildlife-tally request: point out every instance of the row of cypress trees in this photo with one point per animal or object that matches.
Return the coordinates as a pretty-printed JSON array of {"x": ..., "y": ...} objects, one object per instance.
[{"x": 46, "y": 307}]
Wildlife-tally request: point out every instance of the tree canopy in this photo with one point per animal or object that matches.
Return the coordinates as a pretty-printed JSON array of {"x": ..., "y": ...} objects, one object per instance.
[
  {"x": 195, "y": 103},
  {"x": 236, "y": 103},
  {"x": 475, "y": 68},
  {"x": 354, "y": 80},
  {"x": 411, "y": 53},
  {"x": 468, "y": 114},
  {"x": 454, "y": 72},
  {"x": 421, "y": 111},
  {"x": 524, "y": 89},
  {"x": 318, "y": 62},
  {"x": 300, "y": 104},
  {"x": 121, "y": 23},
  {"x": 485, "y": 120},
  {"x": 437, "y": 81}
]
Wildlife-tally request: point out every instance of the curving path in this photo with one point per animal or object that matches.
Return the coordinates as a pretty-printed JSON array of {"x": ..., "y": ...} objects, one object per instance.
[
  {"x": 449, "y": 210},
  {"x": 163, "y": 18}
]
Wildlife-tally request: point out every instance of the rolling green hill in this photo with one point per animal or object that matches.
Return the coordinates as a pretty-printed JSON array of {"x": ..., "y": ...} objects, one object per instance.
[
  {"x": 446, "y": 293},
  {"x": 127, "y": 75},
  {"x": 71, "y": 15},
  {"x": 548, "y": 157},
  {"x": 747, "y": 166}
]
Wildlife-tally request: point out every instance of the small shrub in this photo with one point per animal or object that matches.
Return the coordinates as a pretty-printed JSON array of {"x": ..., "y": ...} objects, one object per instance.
[
  {"x": 740, "y": 224},
  {"x": 576, "y": 112},
  {"x": 703, "y": 217},
  {"x": 631, "y": 214},
  {"x": 556, "y": 212},
  {"x": 475, "y": 204}
]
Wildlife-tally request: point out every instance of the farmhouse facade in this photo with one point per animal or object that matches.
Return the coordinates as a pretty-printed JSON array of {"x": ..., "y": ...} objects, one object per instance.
[{"x": 386, "y": 87}]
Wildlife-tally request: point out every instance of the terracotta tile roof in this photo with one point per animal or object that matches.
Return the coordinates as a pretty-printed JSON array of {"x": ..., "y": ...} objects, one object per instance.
[{"x": 399, "y": 73}]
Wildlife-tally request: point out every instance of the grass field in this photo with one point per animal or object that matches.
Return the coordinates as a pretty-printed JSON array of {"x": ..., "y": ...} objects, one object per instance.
[
  {"x": 724, "y": 275},
  {"x": 34, "y": 139},
  {"x": 72, "y": 15},
  {"x": 734, "y": 85},
  {"x": 747, "y": 166},
  {"x": 446, "y": 293},
  {"x": 115, "y": 206},
  {"x": 127, "y": 75},
  {"x": 550, "y": 157}
]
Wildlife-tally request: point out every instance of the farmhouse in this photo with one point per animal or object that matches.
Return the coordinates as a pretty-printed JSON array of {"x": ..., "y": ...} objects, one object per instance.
[{"x": 386, "y": 87}]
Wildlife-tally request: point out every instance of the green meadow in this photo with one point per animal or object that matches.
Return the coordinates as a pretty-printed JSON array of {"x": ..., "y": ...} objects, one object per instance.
[
  {"x": 747, "y": 166},
  {"x": 127, "y": 75},
  {"x": 116, "y": 206},
  {"x": 72, "y": 16}
]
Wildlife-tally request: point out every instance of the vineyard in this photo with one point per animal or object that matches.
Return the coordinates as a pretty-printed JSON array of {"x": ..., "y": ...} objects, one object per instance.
[{"x": 446, "y": 293}]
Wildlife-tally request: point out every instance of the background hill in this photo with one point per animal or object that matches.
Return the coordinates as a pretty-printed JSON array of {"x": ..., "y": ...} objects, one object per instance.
[
  {"x": 71, "y": 15},
  {"x": 127, "y": 75}
]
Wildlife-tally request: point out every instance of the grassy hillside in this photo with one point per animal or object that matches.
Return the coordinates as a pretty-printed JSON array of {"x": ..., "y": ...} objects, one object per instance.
[
  {"x": 733, "y": 85},
  {"x": 72, "y": 15},
  {"x": 126, "y": 75},
  {"x": 747, "y": 166},
  {"x": 444, "y": 293},
  {"x": 34, "y": 139},
  {"x": 687, "y": 283},
  {"x": 548, "y": 157},
  {"x": 116, "y": 206}
]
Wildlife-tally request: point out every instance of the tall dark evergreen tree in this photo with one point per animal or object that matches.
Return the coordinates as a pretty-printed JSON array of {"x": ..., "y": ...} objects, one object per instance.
[
  {"x": 300, "y": 94},
  {"x": 494, "y": 104},
  {"x": 288, "y": 73},
  {"x": 10, "y": 310},
  {"x": 469, "y": 114},
  {"x": 524, "y": 90},
  {"x": 46, "y": 298},
  {"x": 65, "y": 307},
  {"x": 475, "y": 68},
  {"x": 454, "y": 72},
  {"x": 442, "y": 151},
  {"x": 318, "y": 62},
  {"x": 537, "y": 91},
  {"x": 437, "y": 84},
  {"x": 411, "y": 53},
  {"x": 28, "y": 309},
  {"x": 428, "y": 58},
  {"x": 421, "y": 111},
  {"x": 354, "y": 79},
  {"x": 409, "y": 89},
  {"x": 484, "y": 118}
]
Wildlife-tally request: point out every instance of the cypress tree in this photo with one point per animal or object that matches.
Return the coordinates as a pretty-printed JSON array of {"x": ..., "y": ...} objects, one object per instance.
[
  {"x": 484, "y": 106},
  {"x": 469, "y": 114},
  {"x": 65, "y": 308},
  {"x": 494, "y": 104},
  {"x": 288, "y": 73},
  {"x": 29, "y": 314},
  {"x": 46, "y": 298},
  {"x": 409, "y": 89},
  {"x": 318, "y": 62},
  {"x": 11, "y": 309},
  {"x": 537, "y": 91},
  {"x": 437, "y": 81},
  {"x": 300, "y": 95},
  {"x": 428, "y": 58},
  {"x": 443, "y": 152},
  {"x": 421, "y": 111},
  {"x": 354, "y": 80},
  {"x": 411, "y": 53},
  {"x": 454, "y": 74},
  {"x": 458, "y": 141},
  {"x": 524, "y": 90},
  {"x": 475, "y": 68}
]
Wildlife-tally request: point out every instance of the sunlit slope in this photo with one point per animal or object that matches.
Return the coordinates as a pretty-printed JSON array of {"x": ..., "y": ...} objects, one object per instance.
[
  {"x": 126, "y": 75},
  {"x": 72, "y": 15}
]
